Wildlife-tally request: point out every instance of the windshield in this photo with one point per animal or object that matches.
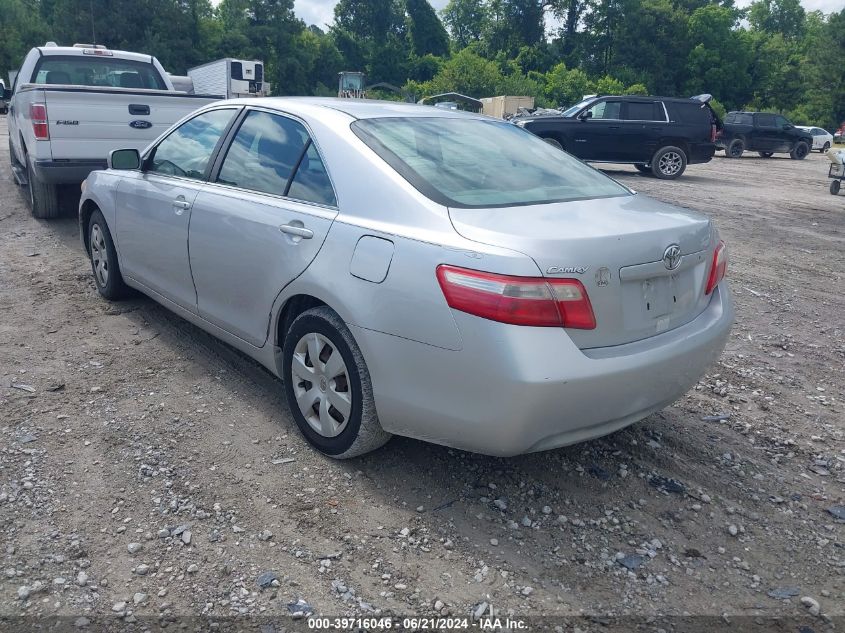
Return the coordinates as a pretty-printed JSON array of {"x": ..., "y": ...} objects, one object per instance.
[
  {"x": 477, "y": 163},
  {"x": 572, "y": 111},
  {"x": 97, "y": 71}
]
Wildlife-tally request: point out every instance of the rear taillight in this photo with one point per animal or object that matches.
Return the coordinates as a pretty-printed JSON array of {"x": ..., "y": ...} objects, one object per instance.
[
  {"x": 713, "y": 133},
  {"x": 532, "y": 301},
  {"x": 38, "y": 116},
  {"x": 718, "y": 267}
]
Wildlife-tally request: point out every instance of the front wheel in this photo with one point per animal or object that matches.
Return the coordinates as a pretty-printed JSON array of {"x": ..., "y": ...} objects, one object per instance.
[
  {"x": 800, "y": 151},
  {"x": 103, "y": 257},
  {"x": 328, "y": 386},
  {"x": 834, "y": 187},
  {"x": 669, "y": 162},
  {"x": 825, "y": 148}
]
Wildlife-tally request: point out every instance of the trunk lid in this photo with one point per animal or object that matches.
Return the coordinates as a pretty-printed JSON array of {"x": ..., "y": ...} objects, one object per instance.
[{"x": 615, "y": 247}]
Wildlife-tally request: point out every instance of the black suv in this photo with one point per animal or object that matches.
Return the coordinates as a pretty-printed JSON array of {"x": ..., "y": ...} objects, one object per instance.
[
  {"x": 656, "y": 134},
  {"x": 763, "y": 132}
]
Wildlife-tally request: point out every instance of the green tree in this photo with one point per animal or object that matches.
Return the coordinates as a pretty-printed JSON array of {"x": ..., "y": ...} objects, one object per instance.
[
  {"x": 786, "y": 17},
  {"x": 465, "y": 20},
  {"x": 425, "y": 30}
]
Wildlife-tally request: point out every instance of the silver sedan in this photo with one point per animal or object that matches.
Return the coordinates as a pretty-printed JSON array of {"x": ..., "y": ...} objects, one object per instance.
[{"x": 415, "y": 271}]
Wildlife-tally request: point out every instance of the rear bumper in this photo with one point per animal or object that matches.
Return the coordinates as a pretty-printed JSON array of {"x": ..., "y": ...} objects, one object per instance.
[
  {"x": 513, "y": 390},
  {"x": 701, "y": 153},
  {"x": 66, "y": 172}
]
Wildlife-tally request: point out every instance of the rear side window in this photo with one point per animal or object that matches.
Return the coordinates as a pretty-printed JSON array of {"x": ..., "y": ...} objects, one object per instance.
[
  {"x": 274, "y": 154},
  {"x": 185, "y": 151},
  {"x": 644, "y": 111},
  {"x": 107, "y": 72},
  {"x": 766, "y": 120}
]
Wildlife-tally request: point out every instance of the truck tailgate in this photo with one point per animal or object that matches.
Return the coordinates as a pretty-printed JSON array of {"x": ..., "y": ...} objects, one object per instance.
[{"x": 87, "y": 123}]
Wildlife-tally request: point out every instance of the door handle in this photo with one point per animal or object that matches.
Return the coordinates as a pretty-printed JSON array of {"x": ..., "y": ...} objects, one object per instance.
[
  {"x": 182, "y": 204},
  {"x": 298, "y": 231},
  {"x": 139, "y": 109}
]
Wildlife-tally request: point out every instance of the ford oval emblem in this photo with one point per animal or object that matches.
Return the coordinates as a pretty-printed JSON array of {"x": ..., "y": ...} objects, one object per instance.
[{"x": 140, "y": 124}]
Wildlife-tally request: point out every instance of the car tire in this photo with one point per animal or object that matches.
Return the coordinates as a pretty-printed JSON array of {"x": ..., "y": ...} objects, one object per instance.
[
  {"x": 103, "y": 256},
  {"x": 643, "y": 169},
  {"x": 553, "y": 142},
  {"x": 834, "y": 187},
  {"x": 800, "y": 151},
  {"x": 350, "y": 429},
  {"x": 43, "y": 197},
  {"x": 735, "y": 148},
  {"x": 825, "y": 148},
  {"x": 668, "y": 162},
  {"x": 766, "y": 154}
]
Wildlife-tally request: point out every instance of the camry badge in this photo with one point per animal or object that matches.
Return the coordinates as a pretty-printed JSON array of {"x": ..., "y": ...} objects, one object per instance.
[
  {"x": 567, "y": 270},
  {"x": 672, "y": 257}
]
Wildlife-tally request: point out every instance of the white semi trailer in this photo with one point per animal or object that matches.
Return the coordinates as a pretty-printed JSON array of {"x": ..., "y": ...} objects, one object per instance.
[{"x": 233, "y": 78}]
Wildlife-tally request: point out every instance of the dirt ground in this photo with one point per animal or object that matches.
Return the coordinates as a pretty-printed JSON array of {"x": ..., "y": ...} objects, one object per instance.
[{"x": 150, "y": 472}]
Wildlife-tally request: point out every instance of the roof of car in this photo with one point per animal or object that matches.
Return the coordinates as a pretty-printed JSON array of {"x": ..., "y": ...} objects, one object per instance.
[{"x": 361, "y": 108}]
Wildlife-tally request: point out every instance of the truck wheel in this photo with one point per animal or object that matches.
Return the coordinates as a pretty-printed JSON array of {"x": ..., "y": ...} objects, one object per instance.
[
  {"x": 800, "y": 151},
  {"x": 553, "y": 142},
  {"x": 825, "y": 147},
  {"x": 328, "y": 386},
  {"x": 834, "y": 187},
  {"x": 735, "y": 148},
  {"x": 103, "y": 257},
  {"x": 766, "y": 154},
  {"x": 43, "y": 197},
  {"x": 669, "y": 162}
]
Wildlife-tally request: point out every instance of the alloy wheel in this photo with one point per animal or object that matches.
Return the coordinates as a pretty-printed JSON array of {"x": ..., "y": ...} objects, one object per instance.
[
  {"x": 670, "y": 163},
  {"x": 321, "y": 384},
  {"x": 99, "y": 255}
]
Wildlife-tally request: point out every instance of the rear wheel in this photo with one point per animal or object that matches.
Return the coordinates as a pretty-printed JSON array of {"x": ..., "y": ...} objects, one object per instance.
[
  {"x": 328, "y": 386},
  {"x": 735, "y": 148},
  {"x": 553, "y": 142},
  {"x": 800, "y": 151},
  {"x": 43, "y": 197},
  {"x": 669, "y": 162},
  {"x": 834, "y": 187},
  {"x": 766, "y": 154}
]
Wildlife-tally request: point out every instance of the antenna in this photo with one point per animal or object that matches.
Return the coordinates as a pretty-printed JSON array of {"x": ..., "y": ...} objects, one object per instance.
[{"x": 93, "y": 34}]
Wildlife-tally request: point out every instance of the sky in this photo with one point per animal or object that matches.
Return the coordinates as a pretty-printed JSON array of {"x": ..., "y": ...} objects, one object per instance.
[{"x": 321, "y": 12}]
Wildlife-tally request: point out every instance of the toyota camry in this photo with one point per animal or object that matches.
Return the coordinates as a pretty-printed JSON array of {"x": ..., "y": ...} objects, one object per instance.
[{"x": 415, "y": 271}]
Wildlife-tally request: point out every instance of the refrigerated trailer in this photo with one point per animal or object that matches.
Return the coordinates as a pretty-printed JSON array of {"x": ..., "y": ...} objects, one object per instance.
[{"x": 231, "y": 77}]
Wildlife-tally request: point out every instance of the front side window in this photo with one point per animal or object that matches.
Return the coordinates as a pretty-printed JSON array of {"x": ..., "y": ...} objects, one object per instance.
[
  {"x": 475, "y": 163},
  {"x": 780, "y": 121},
  {"x": 766, "y": 120},
  {"x": 185, "y": 152},
  {"x": 85, "y": 70},
  {"x": 606, "y": 110}
]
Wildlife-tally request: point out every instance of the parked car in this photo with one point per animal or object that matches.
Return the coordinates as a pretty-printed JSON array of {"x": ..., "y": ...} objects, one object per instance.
[
  {"x": 519, "y": 301},
  {"x": 764, "y": 133},
  {"x": 71, "y": 105},
  {"x": 822, "y": 139},
  {"x": 657, "y": 135}
]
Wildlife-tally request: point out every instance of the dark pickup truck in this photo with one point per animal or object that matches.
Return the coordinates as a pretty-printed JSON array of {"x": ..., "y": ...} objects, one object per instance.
[{"x": 764, "y": 133}]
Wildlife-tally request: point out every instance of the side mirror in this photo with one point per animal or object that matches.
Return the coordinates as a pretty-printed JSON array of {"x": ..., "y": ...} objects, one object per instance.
[
  {"x": 787, "y": 126},
  {"x": 586, "y": 114},
  {"x": 124, "y": 159}
]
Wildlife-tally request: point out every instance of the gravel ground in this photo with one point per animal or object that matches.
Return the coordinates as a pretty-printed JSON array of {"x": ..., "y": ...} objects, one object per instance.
[{"x": 150, "y": 472}]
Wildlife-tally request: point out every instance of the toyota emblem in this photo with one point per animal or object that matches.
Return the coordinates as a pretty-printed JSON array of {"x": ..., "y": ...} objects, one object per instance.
[{"x": 672, "y": 256}]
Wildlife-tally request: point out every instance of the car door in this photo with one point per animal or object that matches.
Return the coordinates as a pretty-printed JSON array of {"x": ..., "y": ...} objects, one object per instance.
[
  {"x": 597, "y": 135},
  {"x": 786, "y": 133},
  {"x": 154, "y": 206},
  {"x": 644, "y": 122},
  {"x": 259, "y": 223}
]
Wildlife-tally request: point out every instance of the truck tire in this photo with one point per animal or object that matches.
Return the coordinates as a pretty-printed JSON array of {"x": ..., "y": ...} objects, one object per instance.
[
  {"x": 668, "y": 162},
  {"x": 735, "y": 148},
  {"x": 43, "y": 197},
  {"x": 800, "y": 151}
]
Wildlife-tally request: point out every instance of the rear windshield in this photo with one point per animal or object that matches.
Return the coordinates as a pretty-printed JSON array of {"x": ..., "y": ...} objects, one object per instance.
[
  {"x": 108, "y": 72},
  {"x": 475, "y": 163}
]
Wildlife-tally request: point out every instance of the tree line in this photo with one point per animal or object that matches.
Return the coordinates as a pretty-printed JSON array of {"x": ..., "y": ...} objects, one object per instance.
[{"x": 772, "y": 55}]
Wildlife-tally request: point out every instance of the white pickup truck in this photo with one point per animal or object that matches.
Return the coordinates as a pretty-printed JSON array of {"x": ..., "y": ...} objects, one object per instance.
[{"x": 71, "y": 105}]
